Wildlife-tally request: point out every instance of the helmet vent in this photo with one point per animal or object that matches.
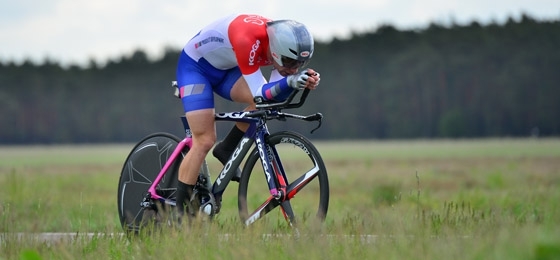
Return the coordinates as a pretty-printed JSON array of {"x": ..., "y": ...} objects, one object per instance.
[{"x": 294, "y": 52}]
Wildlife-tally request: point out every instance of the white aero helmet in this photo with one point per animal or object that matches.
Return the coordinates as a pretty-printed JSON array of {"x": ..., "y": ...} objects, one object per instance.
[{"x": 291, "y": 44}]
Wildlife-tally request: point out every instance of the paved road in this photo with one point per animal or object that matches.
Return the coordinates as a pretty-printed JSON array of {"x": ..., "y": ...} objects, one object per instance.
[{"x": 55, "y": 237}]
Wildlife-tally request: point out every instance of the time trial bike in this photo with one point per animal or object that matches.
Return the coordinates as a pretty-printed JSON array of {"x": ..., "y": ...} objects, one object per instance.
[{"x": 280, "y": 166}]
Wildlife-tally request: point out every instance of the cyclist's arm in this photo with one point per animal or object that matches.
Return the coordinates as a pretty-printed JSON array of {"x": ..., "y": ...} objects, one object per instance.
[
  {"x": 249, "y": 44},
  {"x": 274, "y": 90}
]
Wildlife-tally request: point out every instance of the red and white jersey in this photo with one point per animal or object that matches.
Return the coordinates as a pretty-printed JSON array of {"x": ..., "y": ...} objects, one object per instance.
[{"x": 236, "y": 40}]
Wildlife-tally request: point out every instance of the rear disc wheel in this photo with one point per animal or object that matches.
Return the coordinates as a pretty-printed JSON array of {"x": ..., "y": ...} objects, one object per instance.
[{"x": 140, "y": 169}]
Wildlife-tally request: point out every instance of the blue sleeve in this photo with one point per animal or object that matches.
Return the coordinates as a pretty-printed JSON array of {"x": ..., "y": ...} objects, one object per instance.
[{"x": 277, "y": 90}]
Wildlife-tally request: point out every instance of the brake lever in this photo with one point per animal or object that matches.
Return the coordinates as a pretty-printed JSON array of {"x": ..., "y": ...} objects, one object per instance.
[{"x": 319, "y": 118}]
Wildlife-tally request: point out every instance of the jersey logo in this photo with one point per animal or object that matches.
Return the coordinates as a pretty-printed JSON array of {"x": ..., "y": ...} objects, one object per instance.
[
  {"x": 256, "y": 19},
  {"x": 209, "y": 40},
  {"x": 253, "y": 52}
]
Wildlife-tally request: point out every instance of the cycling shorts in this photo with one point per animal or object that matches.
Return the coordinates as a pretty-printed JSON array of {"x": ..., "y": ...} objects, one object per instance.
[{"x": 197, "y": 82}]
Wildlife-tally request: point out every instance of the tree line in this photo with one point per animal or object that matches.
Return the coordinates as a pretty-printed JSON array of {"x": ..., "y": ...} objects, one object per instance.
[{"x": 457, "y": 81}]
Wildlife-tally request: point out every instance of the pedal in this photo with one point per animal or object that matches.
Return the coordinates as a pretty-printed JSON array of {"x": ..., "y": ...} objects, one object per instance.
[
  {"x": 208, "y": 205},
  {"x": 148, "y": 203}
]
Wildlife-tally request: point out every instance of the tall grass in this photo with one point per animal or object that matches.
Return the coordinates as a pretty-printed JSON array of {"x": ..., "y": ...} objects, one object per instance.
[{"x": 389, "y": 200}]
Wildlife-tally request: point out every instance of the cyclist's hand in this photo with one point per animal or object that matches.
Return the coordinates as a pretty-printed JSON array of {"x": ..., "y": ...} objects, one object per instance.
[
  {"x": 298, "y": 81},
  {"x": 305, "y": 79},
  {"x": 313, "y": 80}
]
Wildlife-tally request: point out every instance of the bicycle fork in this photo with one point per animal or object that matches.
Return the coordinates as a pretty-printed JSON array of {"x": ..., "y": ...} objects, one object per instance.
[
  {"x": 285, "y": 205},
  {"x": 277, "y": 184}
]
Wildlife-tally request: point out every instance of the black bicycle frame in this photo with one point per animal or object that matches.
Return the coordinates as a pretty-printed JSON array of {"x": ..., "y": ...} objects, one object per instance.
[{"x": 256, "y": 133}]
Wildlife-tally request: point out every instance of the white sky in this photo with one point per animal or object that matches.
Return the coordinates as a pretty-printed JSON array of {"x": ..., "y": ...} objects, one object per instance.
[{"x": 74, "y": 31}]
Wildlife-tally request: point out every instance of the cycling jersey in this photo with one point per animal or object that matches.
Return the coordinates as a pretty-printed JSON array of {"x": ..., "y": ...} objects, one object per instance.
[{"x": 215, "y": 58}]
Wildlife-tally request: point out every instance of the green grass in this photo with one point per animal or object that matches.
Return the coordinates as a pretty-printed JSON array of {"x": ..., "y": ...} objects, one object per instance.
[{"x": 465, "y": 199}]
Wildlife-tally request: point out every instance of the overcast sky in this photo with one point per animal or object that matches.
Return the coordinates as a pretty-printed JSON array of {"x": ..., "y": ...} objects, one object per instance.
[{"x": 74, "y": 31}]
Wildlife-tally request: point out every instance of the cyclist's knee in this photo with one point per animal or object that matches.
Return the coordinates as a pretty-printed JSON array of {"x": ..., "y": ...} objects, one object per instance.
[{"x": 204, "y": 142}]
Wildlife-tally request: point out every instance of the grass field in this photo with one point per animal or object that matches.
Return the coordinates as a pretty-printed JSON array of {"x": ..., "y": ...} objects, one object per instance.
[{"x": 446, "y": 199}]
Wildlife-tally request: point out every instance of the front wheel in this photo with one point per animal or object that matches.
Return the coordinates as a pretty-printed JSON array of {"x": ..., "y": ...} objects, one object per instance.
[{"x": 305, "y": 175}]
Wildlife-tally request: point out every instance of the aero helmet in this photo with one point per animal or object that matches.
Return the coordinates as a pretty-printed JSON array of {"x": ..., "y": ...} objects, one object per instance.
[{"x": 291, "y": 44}]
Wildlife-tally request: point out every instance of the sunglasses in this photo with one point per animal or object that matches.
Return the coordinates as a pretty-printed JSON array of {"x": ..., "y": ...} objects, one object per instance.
[{"x": 291, "y": 63}]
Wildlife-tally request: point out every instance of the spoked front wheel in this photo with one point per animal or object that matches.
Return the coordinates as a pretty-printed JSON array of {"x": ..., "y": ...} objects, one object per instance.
[
  {"x": 307, "y": 196},
  {"x": 140, "y": 169}
]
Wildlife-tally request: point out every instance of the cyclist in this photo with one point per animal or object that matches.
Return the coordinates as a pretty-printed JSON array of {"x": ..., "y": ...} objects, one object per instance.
[{"x": 225, "y": 57}]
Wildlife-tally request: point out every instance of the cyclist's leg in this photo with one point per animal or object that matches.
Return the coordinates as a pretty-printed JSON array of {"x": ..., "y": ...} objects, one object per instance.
[
  {"x": 203, "y": 131},
  {"x": 235, "y": 88},
  {"x": 239, "y": 92},
  {"x": 195, "y": 80},
  {"x": 225, "y": 148}
]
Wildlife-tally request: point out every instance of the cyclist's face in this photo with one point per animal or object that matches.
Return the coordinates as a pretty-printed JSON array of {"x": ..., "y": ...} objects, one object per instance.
[
  {"x": 291, "y": 63},
  {"x": 290, "y": 67},
  {"x": 286, "y": 71}
]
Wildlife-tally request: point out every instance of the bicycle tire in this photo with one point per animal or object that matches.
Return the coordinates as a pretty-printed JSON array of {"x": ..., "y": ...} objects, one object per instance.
[
  {"x": 140, "y": 169},
  {"x": 313, "y": 197}
]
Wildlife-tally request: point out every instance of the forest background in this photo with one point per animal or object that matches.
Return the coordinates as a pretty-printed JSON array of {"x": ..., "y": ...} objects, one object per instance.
[{"x": 457, "y": 81}]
